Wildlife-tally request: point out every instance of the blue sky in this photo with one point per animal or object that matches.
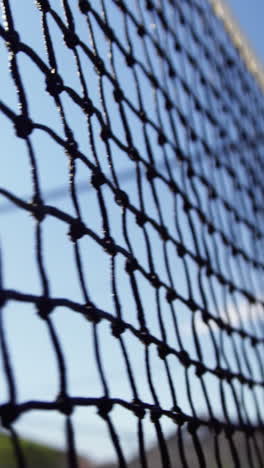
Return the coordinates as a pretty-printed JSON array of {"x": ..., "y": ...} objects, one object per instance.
[
  {"x": 249, "y": 15},
  {"x": 31, "y": 351}
]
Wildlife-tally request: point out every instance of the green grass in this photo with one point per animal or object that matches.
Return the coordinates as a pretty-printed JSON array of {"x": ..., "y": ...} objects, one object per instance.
[{"x": 36, "y": 455}]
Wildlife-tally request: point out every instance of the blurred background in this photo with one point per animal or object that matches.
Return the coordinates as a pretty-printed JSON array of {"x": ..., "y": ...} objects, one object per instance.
[{"x": 32, "y": 355}]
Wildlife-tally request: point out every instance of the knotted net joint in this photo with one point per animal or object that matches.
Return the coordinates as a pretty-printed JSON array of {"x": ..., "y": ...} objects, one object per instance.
[
  {"x": 84, "y": 6},
  {"x": 190, "y": 172},
  {"x": 209, "y": 271},
  {"x": 198, "y": 106},
  {"x": 109, "y": 32},
  {"x": 182, "y": 19},
  {"x": 254, "y": 341},
  {"x": 3, "y": 299},
  {"x": 121, "y": 198},
  {"x": 72, "y": 148},
  {"x": 138, "y": 409},
  {"x": 200, "y": 261},
  {"x": 251, "y": 299},
  {"x": 104, "y": 407},
  {"x": 181, "y": 250},
  {"x": 250, "y": 384},
  {"x": 44, "y": 307},
  {"x": 193, "y": 426},
  {"x": 188, "y": 91},
  {"x": 149, "y": 5},
  {"x": 229, "y": 329},
  {"x": 23, "y": 126},
  {"x": 230, "y": 62},
  {"x": 172, "y": 72},
  {"x": 202, "y": 216},
  {"x": 227, "y": 206},
  {"x": 203, "y": 80},
  {"x": 177, "y": 46},
  {"x": 130, "y": 60},
  {"x": 231, "y": 173},
  {"x": 162, "y": 139},
  {"x": 211, "y": 228},
  {"x": 109, "y": 246},
  {"x": 97, "y": 179},
  {"x": 99, "y": 65},
  {"x": 212, "y": 193},
  {"x": 216, "y": 426},
  {"x": 229, "y": 431},
  {"x": 153, "y": 80},
  {"x": 200, "y": 369},
  {"x": 9, "y": 412},
  {"x": 71, "y": 39},
  {"x": 180, "y": 155},
  {"x": 208, "y": 151},
  {"x": 242, "y": 379},
  {"x": 133, "y": 154},
  {"x": 224, "y": 374},
  {"x": 141, "y": 219},
  {"x": 143, "y": 116},
  {"x": 179, "y": 419},
  {"x": 155, "y": 414},
  {"x": 173, "y": 187},
  {"x": 257, "y": 209},
  {"x": 171, "y": 296},
  {"x": 43, "y": 5},
  {"x": 184, "y": 358},
  {"x": 131, "y": 265},
  {"x": 242, "y": 333},
  {"x": 221, "y": 279},
  {"x": 163, "y": 351},
  {"x": 176, "y": 409},
  {"x": 151, "y": 173},
  {"x": 88, "y": 107},
  {"x": 141, "y": 30},
  {"x": 251, "y": 194},
  {"x": 222, "y": 133},
  {"x": 77, "y": 230},
  {"x": 218, "y": 322},
  {"x": 206, "y": 317},
  {"x": 183, "y": 120},
  {"x": 38, "y": 209},
  {"x": 192, "y": 305},
  {"x": 155, "y": 281},
  {"x": 118, "y": 328},
  {"x": 13, "y": 40},
  {"x": 121, "y": 5},
  {"x": 92, "y": 314},
  {"x": 54, "y": 83},
  {"x": 65, "y": 406},
  {"x": 105, "y": 133},
  {"x": 118, "y": 94},
  {"x": 168, "y": 104},
  {"x": 163, "y": 232},
  {"x": 224, "y": 239},
  {"x": 144, "y": 336},
  {"x": 187, "y": 206}
]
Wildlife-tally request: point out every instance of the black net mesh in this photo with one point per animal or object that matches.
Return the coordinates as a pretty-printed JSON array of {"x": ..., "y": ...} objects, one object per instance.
[{"x": 131, "y": 232}]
